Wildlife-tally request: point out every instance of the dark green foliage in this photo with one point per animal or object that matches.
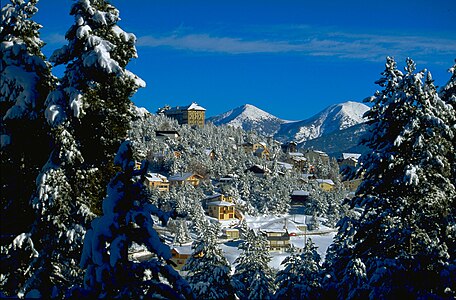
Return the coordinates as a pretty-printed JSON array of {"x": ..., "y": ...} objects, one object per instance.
[{"x": 404, "y": 236}]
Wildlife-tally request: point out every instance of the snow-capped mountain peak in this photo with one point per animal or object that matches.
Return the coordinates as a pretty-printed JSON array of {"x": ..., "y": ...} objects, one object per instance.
[
  {"x": 249, "y": 117},
  {"x": 334, "y": 118}
]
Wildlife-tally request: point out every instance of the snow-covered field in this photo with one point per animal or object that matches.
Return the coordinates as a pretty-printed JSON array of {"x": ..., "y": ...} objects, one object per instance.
[{"x": 322, "y": 237}]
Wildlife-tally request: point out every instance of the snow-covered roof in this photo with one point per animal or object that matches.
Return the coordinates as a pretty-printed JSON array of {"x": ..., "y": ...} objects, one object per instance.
[
  {"x": 178, "y": 109},
  {"x": 186, "y": 249},
  {"x": 220, "y": 203},
  {"x": 285, "y": 165},
  {"x": 300, "y": 193},
  {"x": 194, "y": 106},
  {"x": 296, "y": 154},
  {"x": 351, "y": 156},
  {"x": 180, "y": 176},
  {"x": 328, "y": 181},
  {"x": 156, "y": 177},
  {"x": 208, "y": 151},
  {"x": 259, "y": 169},
  {"x": 320, "y": 152},
  {"x": 216, "y": 195}
]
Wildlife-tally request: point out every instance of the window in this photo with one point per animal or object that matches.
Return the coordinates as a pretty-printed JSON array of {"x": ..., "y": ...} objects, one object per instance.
[
  {"x": 231, "y": 216},
  {"x": 221, "y": 217}
]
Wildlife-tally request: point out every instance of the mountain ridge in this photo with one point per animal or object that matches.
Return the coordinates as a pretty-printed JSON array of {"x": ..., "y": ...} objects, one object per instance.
[{"x": 332, "y": 119}]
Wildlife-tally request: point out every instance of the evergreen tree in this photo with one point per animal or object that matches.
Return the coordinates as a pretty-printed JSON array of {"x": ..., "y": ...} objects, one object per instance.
[
  {"x": 300, "y": 279},
  {"x": 94, "y": 94},
  {"x": 25, "y": 81},
  {"x": 127, "y": 218},
  {"x": 208, "y": 270},
  {"x": 407, "y": 195},
  {"x": 182, "y": 233},
  {"x": 253, "y": 278},
  {"x": 69, "y": 187}
]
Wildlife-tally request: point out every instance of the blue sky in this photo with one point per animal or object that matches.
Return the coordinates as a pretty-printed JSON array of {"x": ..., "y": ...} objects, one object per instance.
[{"x": 290, "y": 58}]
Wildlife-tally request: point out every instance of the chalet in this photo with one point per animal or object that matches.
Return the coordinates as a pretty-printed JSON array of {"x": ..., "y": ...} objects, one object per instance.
[
  {"x": 297, "y": 159},
  {"x": 315, "y": 156},
  {"x": 192, "y": 115},
  {"x": 226, "y": 179},
  {"x": 277, "y": 236},
  {"x": 258, "y": 171},
  {"x": 326, "y": 185},
  {"x": 349, "y": 159},
  {"x": 180, "y": 254},
  {"x": 163, "y": 134},
  {"x": 284, "y": 167},
  {"x": 157, "y": 181},
  {"x": 185, "y": 178},
  {"x": 221, "y": 210},
  {"x": 299, "y": 197},
  {"x": 217, "y": 197},
  {"x": 231, "y": 233},
  {"x": 289, "y": 147}
]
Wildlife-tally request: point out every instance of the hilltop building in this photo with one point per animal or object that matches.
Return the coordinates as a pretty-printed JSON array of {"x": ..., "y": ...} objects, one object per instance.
[{"x": 192, "y": 115}]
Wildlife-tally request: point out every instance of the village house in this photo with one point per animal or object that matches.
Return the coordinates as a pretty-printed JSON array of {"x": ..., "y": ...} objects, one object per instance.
[
  {"x": 284, "y": 167},
  {"x": 185, "y": 178},
  {"x": 221, "y": 210},
  {"x": 157, "y": 181},
  {"x": 217, "y": 197},
  {"x": 326, "y": 185},
  {"x": 299, "y": 197},
  {"x": 180, "y": 254},
  {"x": 231, "y": 233},
  {"x": 314, "y": 156},
  {"x": 349, "y": 159},
  {"x": 277, "y": 236},
  {"x": 297, "y": 159},
  {"x": 227, "y": 179},
  {"x": 289, "y": 147},
  {"x": 192, "y": 115},
  {"x": 258, "y": 171},
  {"x": 262, "y": 153}
]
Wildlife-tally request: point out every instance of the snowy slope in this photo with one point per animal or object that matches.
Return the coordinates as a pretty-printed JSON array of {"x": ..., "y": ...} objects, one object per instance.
[
  {"x": 338, "y": 142},
  {"x": 334, "y": 118},
  {"x": 249, "y": 117}
]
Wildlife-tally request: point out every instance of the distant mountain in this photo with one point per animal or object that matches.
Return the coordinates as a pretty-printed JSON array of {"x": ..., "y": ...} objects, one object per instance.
[
  {"x": 335, "y": 143},
  {"x": 333, "y": 119},
  {"x": 249, "y": 117}
]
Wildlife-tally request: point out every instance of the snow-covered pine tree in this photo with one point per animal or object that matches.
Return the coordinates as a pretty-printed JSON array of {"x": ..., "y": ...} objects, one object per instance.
[
  {"x": 407, "y": 196},
  {"x": 300, "y": 279},
  {"x": 208, "y": 270},
  {"x": 253, "y": 278},
  {"x": 25, "y": 81},
  {"x": 127, "y": 218},
  {"x": 94, "y": 94},
  {"x": 182, "y": 233},
  {"x": 70, "y": 184}
]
